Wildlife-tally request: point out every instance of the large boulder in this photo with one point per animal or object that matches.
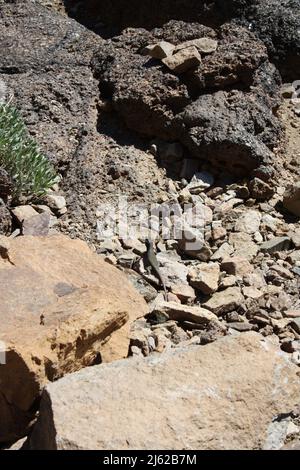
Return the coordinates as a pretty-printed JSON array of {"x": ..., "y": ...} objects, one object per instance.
[
  {"x": 60, "y": 304},
  {"x": 220, "y": 396}
]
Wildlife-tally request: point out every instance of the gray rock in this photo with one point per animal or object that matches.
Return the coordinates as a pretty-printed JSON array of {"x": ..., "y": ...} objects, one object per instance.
[
  {"x": 242, "y": 326},
  {"x": 38, "y": 225},
  {"x": 275, "y": 244}
]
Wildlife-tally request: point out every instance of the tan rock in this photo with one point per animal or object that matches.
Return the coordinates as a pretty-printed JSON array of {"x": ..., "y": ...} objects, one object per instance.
[
  {"x": 179, "y": 312},
  {"x": 205, "y": 277},
  {"x": 183, "y": 60},
  {"x": 23, "y": 213},
  {"x": 252, "y": 292},
  {"x": 183, "y": 292},
  {"x": 159, "y": 50},
  {"x": 204, "y": 45},
  {"x": 219, "y": 396},
  {"x": 59, "y": 303},
  {"x": 243, "y": 244},
  {"x": 224, "y": 251},
  {"x": 225, "y": 301},
  {"x": 236, "y": 266},
  {"x": 248, "y": 222}
]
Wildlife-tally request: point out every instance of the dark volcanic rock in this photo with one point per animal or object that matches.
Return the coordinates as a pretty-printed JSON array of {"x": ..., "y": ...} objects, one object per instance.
[
  {"x": 221, "y": 111},
  {"x": 45, "y": 65},
  {"x": 276, "y": 22}
]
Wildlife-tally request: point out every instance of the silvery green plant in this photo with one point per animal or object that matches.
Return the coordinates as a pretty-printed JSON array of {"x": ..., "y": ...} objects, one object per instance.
[{"x": 30, "y": 171}]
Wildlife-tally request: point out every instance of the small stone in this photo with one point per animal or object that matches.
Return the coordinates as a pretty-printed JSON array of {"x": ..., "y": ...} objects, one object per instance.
[
  {"x": 257, "y": 237},
  {"x": 135, "y": 245},
  {"x": 242, "y": 326},
  {"x": 292, "y": 313},
  {"x": 200, "y": 182},
  {"x": 184, "y": 196},
  {"x": 38, "y": 225},
  {"x": 184, "y": 292},
  {"x": 243, "y": 245},
  {"x": 23, "y": 213},
  {"x": 204, "y": 45},
  {"x": 183, "y": 60},
  {"x": 248, "y": 222},
  {"x": 127, "y": 260},
  {"x": 160, "y": 50},
  {"x": 205, "y": 277},
  {"x": 218, "y": 233},
  {"x": 228, "y": 281},
  {"x": 252, "y": 292},
  {"x": 283, "y": 272},
  {"x": 224, "y": 251},
  {"x": 236, "y": 266},
  {"x": 179, "y": 312},
  {"x": 260, "y": 190},
  {"x": 268, "y": 222},
  {"x": 55, "y": 202},
  {"x": 291, "y": 199},
  {"x": 275, "y": 244},
  {"x": 225, "y": 301}
]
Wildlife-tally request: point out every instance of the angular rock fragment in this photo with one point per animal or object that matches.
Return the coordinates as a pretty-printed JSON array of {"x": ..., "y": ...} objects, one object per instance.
[
  {"x": 178, "y": 312},
  {"x": 276, "y": 244},
  {"x": 205, "y": 277},
  {"x": 224, "y": 301},
  {"x": 159, "y": 50},
  {"x": 237, "y": 266},
  {"x": 183, "y": 60}
]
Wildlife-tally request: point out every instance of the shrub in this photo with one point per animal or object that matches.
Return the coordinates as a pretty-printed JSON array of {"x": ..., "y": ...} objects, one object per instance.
[{"x": 30, "y": 171}]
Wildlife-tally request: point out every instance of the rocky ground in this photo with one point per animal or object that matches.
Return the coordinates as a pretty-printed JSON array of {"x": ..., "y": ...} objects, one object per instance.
[{"x": 186, "y": 108}]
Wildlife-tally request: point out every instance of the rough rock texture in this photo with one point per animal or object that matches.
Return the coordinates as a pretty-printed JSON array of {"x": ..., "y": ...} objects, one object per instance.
[
  {"x": 59, "y": 303},
  {"x": 220, "y": 396},
  {"x": 232, "y": 127},
  {"x": 42, "y": 73},
  {"x": 5, "y": 219},
  {"x": 276, "y": 22}
]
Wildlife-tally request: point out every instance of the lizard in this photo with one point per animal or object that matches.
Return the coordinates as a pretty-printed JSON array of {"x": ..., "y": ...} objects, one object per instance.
[{"x": 154, "y": 265}]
